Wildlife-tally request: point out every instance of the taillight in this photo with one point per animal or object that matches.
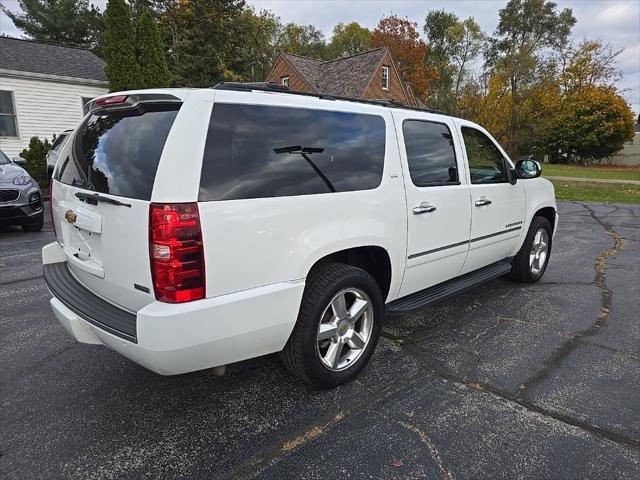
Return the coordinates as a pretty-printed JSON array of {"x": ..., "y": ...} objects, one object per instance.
[
  {"x": 53, "y": 220},
  {"x": 176, "y": 253}
]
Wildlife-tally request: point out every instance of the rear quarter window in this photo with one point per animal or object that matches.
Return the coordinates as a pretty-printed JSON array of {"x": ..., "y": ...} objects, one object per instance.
[
  {"x": 119, "y": 154},
  {"x": 255, "y": 151}
]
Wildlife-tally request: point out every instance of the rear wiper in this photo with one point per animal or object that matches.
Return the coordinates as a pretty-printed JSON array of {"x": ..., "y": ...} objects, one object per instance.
[
  {"x": 94, "y": 198},
  {"x": 305, "y": 152}
]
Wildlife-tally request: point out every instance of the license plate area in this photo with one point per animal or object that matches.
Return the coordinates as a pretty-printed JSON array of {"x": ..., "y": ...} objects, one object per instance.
[{"x": 82, "y": 236}]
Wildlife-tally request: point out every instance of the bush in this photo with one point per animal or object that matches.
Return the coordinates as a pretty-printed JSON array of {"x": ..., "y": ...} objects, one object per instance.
[{"x": 36, "y": 157}]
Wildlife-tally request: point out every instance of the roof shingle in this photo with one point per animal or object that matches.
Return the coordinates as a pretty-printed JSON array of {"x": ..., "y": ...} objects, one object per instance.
[
  {"x": 346, "y": 77},
  {"x": 36, "y": 57}
]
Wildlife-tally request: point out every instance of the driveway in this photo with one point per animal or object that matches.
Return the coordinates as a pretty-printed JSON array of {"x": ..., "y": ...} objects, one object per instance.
[{"x": 505, "y": 381}]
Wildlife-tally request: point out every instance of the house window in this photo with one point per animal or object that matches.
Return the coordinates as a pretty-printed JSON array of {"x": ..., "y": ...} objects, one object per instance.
[
  {"x": 85, "y": 104},
  {"x": 385, "y": 78},
  {"x": 285, "y": 81},
  {"x": 8, "y": 125}
]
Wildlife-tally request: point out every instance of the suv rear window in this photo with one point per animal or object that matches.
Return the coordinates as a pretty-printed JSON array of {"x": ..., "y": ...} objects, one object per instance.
[
  {"x": 119, "y": 153},
  {"x": 257, "y": 151}
]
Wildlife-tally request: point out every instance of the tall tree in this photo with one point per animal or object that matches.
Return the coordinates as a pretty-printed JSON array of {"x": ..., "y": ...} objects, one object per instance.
[
  {"x": 304, "y": 40},
  {"x": 348, "y": 39},
  {"x": 154, "y": 70},
  {"x": 465, "y": 40},
  {"x": 525, "y": 28},
  {"x": 436, "y": 27},
  {"x": 122, "y": 68},
  {"x": 207, "y": 42},
  {"x": 260, "y": 32},
  {"x": 70, "y": 22},
  {"x": 402, "y": 38},
  {"x": 589, "y": 63}
]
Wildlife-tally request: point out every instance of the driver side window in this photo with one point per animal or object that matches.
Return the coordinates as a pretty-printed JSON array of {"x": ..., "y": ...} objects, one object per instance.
[{"x": 486, "y": 163}]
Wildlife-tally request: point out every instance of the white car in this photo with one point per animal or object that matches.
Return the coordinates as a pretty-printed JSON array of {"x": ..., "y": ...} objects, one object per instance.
[{"x": 196, "y": 228}]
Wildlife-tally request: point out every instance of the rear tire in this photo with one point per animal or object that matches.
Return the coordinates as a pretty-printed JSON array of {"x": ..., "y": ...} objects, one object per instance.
[
  {"x": 327, "y": 349},
  {"x": 530, "y": 263}
]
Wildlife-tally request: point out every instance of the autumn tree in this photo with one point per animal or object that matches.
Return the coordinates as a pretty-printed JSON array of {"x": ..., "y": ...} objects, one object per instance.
[
  {"x": 525, "y": 29},
  {"x": 590, "y": 124},
  {"x": 587, "y": 64},
  {"x": 402, "y": 38},
  {"x": 154, "y": 70},
  {"x": 121, "y": 67},
  {"x": 348, "y": 39}
]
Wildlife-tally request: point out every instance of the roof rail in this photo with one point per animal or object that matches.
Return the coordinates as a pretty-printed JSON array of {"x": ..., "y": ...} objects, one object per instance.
[{"x": 276, "y": 87}]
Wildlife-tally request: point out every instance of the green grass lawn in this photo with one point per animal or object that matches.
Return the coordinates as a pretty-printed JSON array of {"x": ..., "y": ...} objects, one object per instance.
[
  {"x": 597, "y": 192},
  {"x": 593, "y": 171}
]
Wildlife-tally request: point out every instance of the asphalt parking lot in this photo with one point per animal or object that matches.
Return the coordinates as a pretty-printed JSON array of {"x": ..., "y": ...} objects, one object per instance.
[{"x": 505, "y": 381}]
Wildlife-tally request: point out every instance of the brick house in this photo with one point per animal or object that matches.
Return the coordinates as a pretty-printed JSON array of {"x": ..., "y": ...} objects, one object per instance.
[{"x": 368, "y": 75}]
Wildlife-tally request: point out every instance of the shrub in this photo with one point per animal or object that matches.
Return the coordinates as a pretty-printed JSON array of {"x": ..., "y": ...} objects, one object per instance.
[{"x": 36, "y": 157}]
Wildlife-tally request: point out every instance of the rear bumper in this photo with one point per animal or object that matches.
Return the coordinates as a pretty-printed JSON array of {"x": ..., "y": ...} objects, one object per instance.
[{"x": 177, "y": 338}]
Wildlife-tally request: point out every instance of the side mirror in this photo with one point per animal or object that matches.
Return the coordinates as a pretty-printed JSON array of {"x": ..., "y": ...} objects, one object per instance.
[
  {"x": 19, "y": 161},
  {"x": 528, "y": 168}
]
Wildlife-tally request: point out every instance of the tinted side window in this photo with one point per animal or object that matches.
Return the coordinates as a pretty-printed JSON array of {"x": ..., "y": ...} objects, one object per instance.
[
  {"x": 255, "y": 151},
  {"x": 119, "y": 154},
  {"x": 486, "y": 163},
  {"x": 430, "y": 153}
]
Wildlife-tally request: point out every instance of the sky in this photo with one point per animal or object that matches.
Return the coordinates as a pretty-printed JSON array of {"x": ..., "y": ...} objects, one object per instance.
[{"x": 612, "y": 21}]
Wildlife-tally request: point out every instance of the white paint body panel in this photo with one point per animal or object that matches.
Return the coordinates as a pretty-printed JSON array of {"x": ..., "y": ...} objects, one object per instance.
[{"x": 258, "y": 252}]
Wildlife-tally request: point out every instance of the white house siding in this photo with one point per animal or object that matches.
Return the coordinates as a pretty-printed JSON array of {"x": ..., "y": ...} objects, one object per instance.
[{"x": 44, "y": 107}]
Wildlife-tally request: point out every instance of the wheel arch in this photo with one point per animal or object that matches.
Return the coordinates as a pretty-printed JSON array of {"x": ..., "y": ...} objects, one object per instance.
[{"x": 373, "y": 259}]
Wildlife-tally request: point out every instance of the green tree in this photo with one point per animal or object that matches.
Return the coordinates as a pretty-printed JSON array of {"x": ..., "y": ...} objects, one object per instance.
[
  {"x": 304, "y": 40},
  {"x": 151, "y": 58},
  {"x": 436, "y": 28},
  {"x": 525, "y": 29},
  {"x": 589, "y": 124},
  {"x": 122, "y": 68},
  {"x": 69, "y": 22},
  {"x": 36, "y": 157},
  {"x": 258, "y": 50},
  {"x": 208, "y": 42},
  {"x": 348, "y": 39}
]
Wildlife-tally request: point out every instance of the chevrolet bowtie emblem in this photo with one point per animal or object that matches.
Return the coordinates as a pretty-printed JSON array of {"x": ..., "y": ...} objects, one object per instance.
[{"x": 70, "y": 216}]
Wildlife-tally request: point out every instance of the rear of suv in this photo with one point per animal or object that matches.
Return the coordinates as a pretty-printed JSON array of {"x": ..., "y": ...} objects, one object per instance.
[{"x": 195, "y": 228}]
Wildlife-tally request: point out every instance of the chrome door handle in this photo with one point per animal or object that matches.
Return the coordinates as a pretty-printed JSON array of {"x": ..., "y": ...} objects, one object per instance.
[
  {"x": 423, "y": 208},
  {"x": 482, "y": 202}
]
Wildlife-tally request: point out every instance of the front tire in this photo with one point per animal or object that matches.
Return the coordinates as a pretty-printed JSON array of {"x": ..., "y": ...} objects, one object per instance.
[
  {"x": 530, "y": 263},
  {"x": 338, "y": 326}
]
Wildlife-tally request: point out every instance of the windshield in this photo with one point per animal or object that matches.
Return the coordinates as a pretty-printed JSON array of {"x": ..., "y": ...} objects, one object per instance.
[{"x": 4, "y": 160}]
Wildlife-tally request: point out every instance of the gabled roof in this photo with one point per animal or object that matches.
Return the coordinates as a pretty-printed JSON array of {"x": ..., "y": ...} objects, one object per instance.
[
  {"x": 47, "y": 59},
  {"x": 345, "y": 77}
]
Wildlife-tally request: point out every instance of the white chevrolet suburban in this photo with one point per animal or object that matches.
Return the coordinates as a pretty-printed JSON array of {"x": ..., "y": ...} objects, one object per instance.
[{"x": 195, "y": 228}]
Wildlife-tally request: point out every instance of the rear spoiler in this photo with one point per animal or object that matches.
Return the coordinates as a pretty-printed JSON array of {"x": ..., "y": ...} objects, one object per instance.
[{"x": 136, "y": 103}]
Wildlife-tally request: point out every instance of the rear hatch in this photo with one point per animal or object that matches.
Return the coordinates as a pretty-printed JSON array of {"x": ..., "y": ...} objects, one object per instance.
[{"x": 101, "y": 194}]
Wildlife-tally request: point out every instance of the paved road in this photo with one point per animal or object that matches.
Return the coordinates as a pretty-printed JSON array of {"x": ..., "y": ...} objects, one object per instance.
[{"x": 507, "y": 381}]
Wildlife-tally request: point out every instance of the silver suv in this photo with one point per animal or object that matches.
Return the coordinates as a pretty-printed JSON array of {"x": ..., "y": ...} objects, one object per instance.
[{"x": 20, "y": 197}]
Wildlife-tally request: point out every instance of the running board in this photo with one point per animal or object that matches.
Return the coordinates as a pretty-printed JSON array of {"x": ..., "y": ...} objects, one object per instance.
[{"x": 446, "y": 289}]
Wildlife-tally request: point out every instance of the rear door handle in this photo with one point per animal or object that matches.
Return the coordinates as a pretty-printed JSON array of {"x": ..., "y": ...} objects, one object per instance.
[
  {"x": 483, "y": 202},
  {"x": 424, "y": 207}
]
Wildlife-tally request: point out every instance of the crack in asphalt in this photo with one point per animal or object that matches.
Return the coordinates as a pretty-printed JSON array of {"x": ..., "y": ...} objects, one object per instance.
[
  {"x": 433, "y": 450},
  {"x": 552, "y": 362}
]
